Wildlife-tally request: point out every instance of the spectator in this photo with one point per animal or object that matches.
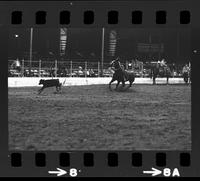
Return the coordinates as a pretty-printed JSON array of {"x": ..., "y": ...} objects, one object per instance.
[
  {"x": 185, "y": 69},
  {"x": 91, "y": 72},
  {"x": 130, "y": 66},
  {"x": 163, "y": 62},
  {"x": 16, "y": 65},
  {"x": 87, "y": 73},
  {"x": 186, "y": 73},
  {"x": 80, "y": 71}
]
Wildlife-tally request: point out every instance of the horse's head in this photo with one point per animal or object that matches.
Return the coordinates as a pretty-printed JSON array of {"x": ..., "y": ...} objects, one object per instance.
[{"x": 112, "y": 63}]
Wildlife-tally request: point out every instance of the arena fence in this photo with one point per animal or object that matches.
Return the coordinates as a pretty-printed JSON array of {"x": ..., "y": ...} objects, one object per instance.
[
  {"x": 80, "y": 68},
  {"x": 80, "y": 81}
]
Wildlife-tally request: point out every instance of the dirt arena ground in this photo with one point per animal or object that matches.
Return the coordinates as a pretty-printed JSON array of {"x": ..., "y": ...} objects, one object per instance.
[{"x": 145, "y": 117}]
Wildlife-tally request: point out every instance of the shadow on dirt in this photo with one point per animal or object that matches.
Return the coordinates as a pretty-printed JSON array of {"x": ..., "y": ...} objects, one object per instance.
[{"x": 125, "y": 89}]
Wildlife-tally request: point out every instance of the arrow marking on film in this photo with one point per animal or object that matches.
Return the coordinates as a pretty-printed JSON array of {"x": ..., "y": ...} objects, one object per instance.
[
  {"x": 59, "y": 172},
  {"x": 154, "y": 172}
]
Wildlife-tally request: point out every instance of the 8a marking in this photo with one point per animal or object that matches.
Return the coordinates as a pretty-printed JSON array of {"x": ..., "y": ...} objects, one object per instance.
[{"x": 167, "y": 172}]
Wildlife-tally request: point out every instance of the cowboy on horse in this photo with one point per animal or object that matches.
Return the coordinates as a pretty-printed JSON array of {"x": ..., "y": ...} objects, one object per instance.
[
  {"x": 119, "y": 68},
  {"x": 160, "y": 69},
  {"x": 154, "y": 72},
  {"x": 120, "y": 74},
  {"x": 186, "y": 73}
]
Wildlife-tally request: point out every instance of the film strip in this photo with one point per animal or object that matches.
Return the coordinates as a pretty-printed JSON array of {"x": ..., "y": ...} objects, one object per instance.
[
  {"x": 88, "y": 17},
  {"x": 84, "y": 129}
]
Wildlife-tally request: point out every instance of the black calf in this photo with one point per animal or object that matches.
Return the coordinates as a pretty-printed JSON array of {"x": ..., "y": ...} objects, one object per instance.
[{"x": 49, "y": 83}]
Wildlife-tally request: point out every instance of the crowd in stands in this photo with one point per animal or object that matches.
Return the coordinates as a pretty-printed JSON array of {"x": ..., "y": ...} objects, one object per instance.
[{"x": 16, "y": 69}]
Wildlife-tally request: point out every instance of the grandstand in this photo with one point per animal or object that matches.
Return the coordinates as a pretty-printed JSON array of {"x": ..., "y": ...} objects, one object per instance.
[{"x": 62, "y": 51}]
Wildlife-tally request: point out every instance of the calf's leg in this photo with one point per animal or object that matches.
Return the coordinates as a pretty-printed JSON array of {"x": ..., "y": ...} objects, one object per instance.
[
  {"x": 57, "y": 88},
  {"x": 40, "y": 90}
]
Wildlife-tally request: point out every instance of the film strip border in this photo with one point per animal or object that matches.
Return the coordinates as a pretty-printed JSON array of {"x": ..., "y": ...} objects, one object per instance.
[
  {"x": 98, "y": 14},
  {"x": 89, "y": 17},
  {"x": 112, "y": 159},
  {"x": 104, "y": 163},
  {"x": 161, "y": 14}
]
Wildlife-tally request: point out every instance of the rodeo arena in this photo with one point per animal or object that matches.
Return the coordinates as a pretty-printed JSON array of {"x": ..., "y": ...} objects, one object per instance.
[{"x": 99, "y": 89}]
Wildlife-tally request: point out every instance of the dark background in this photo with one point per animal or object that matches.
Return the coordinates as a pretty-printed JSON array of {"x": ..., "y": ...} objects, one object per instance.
[{"x": 87, "y": 42}]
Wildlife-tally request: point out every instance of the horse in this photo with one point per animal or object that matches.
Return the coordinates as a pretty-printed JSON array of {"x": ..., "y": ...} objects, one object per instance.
[
  {"x": 154, "y": 73},
  {"x": 162, "y": 71},
  {"x": 121, "y": 75},
  {"x": 186, "y": 74}
]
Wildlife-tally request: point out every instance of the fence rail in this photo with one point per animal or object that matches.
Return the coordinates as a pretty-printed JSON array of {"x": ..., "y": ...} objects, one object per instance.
[{"x": 56, "y": 68}]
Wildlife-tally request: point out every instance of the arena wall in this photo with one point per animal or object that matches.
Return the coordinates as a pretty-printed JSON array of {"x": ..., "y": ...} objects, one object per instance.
[{"x": 72, "y": 81}]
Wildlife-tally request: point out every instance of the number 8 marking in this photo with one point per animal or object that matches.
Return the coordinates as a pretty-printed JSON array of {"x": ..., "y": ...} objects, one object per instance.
[{"x": 73, "y": 172}]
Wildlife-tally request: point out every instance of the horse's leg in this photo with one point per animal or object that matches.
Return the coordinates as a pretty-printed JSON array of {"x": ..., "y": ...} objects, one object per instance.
[
  {"x": 187, "y": 80},
  {"x": 123, "y": 83},
  {"x": 123, "y": 79},
  {"x": 167, "y": 80},
  {"x": 111, "y": 83},
  {"x": 131, "y": 82},
  {"x": 154, "y": 80},
  {"x": 117, "y": 84}
]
